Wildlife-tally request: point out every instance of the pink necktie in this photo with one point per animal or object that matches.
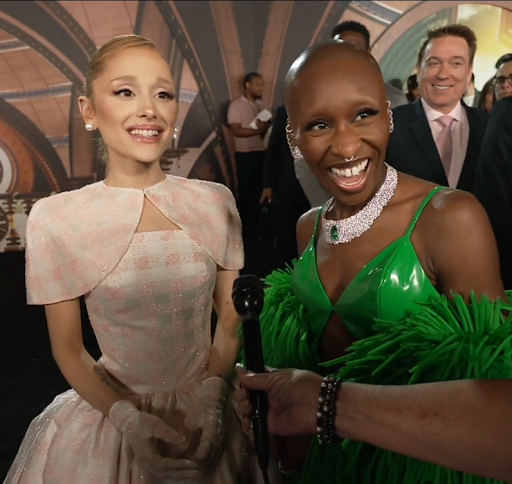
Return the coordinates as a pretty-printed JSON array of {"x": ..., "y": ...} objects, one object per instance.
[{"x": 444, "y": 142}]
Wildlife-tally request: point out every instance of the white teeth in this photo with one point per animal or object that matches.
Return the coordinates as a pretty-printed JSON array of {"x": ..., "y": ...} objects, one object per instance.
[
  {"x": 442, "y": 88},
  {"x": 347, "y": 172},
  {"x": 144, "y": 132}
]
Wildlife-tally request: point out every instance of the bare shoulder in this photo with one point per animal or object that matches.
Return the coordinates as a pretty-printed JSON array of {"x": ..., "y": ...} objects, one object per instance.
[
  {"x": 460, "y": 245},
  {"x": 306, "y": 227},
  {"x": 454, "y": 210}
]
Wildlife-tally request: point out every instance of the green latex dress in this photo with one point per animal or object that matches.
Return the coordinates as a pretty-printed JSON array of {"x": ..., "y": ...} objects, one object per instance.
[{"x": 406, "y": 333}]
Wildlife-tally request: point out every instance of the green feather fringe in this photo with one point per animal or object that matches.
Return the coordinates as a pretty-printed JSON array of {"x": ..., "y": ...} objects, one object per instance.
[{"x": 447, "y": 340}]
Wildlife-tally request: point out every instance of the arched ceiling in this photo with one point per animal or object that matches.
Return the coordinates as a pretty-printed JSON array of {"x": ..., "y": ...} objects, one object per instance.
[
  {"x": 104, "y": 20},
  {"x": 34, "y": 86}
]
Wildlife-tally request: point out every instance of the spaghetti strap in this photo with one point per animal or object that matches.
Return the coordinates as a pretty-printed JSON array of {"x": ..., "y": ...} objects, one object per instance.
[
  {"x": 317, "y": 222},
  {"x": 420, "y": 210}
]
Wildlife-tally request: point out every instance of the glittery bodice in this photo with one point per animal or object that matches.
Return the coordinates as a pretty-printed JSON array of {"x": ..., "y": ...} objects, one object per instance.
[
  {"x": 151, "y": 314},
  {"x": 149, "y": 298},
  {"x": 390, "y": 286}
]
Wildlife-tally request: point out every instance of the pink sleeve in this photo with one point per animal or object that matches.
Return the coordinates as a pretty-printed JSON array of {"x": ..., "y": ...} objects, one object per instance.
[
  {"x": 234, "y": 116},
  {"x": 234, "y": 258},
  {"x": 45, "y": 265}
]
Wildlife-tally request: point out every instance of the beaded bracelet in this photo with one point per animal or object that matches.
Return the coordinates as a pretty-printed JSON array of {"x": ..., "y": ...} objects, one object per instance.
[{"x": 326, "y": 413}]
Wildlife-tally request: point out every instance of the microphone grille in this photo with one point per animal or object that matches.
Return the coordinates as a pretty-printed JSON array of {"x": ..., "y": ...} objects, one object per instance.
[{"x": 248, "y": 280}]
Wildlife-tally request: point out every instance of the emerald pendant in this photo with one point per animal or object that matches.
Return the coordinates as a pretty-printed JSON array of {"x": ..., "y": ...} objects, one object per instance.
[{"x": 334, "y": 233}]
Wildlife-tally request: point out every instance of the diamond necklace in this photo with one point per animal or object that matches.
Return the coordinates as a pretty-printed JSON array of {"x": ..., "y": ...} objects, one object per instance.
[{"x": 343, "y": 231}]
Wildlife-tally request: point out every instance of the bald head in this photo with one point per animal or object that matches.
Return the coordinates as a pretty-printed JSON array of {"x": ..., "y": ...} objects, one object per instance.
[
  {"x": 333, "y": 66},
  {"x": 333, "y": 53}
]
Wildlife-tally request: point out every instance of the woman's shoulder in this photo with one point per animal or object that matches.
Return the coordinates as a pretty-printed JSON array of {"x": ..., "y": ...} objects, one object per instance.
[
  {"x": 309, "y": 218},
  {"x": 450, "y": 206},
  {"x": 64, "y": 202},
  {"x": 446, "y": 206},
  {"x": 454, "y": 218},
  {"x": 306, "y": 227},
  {"x": 218, "y": 191}
]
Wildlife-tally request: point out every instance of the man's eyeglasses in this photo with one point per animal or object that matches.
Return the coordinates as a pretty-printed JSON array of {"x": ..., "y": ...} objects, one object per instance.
[{"x": 500, "y": 80}]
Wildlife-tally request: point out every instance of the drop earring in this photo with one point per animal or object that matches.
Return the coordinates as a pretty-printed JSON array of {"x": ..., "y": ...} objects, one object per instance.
[
  {"x": 296, "y": 153},
  {"x": 390, "y": 114}
]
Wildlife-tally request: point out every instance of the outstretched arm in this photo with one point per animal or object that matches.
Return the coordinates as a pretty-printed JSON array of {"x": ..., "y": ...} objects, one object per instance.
[{"x": 461, "y": 425}]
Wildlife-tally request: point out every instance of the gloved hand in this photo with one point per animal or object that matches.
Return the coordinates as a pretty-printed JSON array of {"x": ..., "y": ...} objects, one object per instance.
[
  {"x": 207, "y": 415},
  {"x": 140, "y": 428}
]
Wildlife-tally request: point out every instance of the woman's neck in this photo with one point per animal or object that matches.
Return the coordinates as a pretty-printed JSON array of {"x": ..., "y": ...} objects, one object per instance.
[
  {"x": 341, "y": 210},
  {"x": 130, "y": 175}
]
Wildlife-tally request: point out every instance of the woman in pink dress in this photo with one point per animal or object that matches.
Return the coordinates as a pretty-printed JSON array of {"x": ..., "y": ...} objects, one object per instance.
[{"x": 151, "y": 254}]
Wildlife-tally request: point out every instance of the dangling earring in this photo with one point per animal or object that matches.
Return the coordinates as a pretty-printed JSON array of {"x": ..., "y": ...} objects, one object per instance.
[
  {"x": 89, "y": 126},
  {"x": 174, "y": 138},
  {"x": 390, "y": 114},
  {"x": 296, "y": 153}
]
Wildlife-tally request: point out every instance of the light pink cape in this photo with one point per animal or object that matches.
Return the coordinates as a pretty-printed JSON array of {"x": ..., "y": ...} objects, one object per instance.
[{"x": 75, "y": 239}]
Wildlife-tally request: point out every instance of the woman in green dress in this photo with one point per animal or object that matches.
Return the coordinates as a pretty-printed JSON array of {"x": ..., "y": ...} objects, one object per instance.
[{"x": 397, "y": 294}]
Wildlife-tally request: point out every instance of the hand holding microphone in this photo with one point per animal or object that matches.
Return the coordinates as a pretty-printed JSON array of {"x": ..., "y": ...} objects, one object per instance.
[{"x": 248, "y": 299}]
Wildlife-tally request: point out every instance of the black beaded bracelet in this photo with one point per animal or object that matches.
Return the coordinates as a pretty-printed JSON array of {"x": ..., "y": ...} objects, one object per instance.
[{"x": 326, "y": 413}]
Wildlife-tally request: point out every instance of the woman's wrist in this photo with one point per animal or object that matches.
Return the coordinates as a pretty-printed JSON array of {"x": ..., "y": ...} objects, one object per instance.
[{"x": 327, "y": 409}]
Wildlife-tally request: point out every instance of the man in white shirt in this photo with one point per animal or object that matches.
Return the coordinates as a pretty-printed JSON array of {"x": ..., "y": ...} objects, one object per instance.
[
  {"x": 472, "y": 95},
  {"x": 249, "y": 148}
]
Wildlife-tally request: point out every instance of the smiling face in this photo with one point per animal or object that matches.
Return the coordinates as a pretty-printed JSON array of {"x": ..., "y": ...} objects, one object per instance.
[
  {"x": 444, "y": 72},
  {"x": 338, "y": 112},
  {"x": 133, "y": 105}
]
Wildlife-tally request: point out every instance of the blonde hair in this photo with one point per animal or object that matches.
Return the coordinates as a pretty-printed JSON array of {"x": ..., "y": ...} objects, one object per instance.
[
  {"x": 108, "y": 50},
  {"x": 96, "y": 66}
]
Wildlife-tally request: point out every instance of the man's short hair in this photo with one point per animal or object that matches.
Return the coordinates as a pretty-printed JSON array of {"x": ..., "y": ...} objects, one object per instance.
[
  {"x": 452, "y": 30},
  {"x": 412, "y": 81},
  {"x": 352, "y": 26},
  {"x": 249, "y": 77},
  {"x": 503, "y": 60}
]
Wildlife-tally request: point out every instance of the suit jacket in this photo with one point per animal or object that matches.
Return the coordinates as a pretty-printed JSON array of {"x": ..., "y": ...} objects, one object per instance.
[
  {"x": 412, "y": 148},
  {"x": 289, "y": 201},
  {"x": 477, "y": 98},
  {"x": 395, "y": 97},
  {"x": 493, "y": 183},
  {"x": 278, "y": 169}
]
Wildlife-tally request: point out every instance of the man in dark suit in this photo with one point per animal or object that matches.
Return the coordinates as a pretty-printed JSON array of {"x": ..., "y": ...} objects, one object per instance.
[
  {"x": 282, "y": 189},
  {"x": 493, "y": 182},
  {"x": 438, "y": 138}
]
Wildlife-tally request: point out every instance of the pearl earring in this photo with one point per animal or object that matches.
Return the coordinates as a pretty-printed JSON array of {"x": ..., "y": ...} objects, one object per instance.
[
  {"x": 175, "y": 134},
  {"x": 89, "y": 126}
]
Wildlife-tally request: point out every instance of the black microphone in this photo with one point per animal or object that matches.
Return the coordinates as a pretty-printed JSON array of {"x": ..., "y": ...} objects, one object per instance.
[{"x": 248, "y": 299}]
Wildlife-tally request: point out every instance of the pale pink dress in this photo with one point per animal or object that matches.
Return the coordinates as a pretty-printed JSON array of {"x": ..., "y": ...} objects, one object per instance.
[{"x": 152, "y": 317}]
